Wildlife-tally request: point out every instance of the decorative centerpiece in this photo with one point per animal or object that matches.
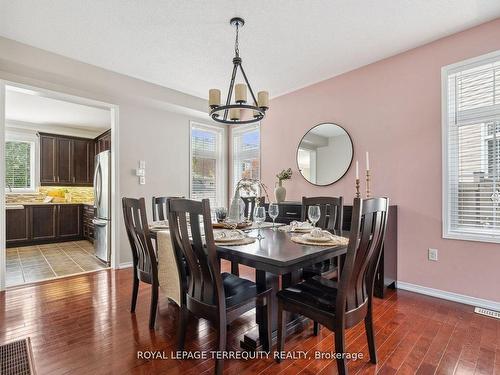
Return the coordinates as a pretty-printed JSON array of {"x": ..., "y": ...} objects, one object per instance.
[
  {"x": 237, "y": 208},
  {"x": 280, "y": 191}
]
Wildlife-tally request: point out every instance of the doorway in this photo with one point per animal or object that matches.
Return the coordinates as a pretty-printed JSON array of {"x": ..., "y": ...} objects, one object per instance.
[{"x": 51, "y": 141}]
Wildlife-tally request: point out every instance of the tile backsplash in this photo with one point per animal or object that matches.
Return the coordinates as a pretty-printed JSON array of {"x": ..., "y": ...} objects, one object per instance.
[{"x": 58, "y": 193}]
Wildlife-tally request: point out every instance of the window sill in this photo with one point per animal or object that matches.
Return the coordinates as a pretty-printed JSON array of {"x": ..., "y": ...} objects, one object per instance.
[{"x": 476, "y": 237}]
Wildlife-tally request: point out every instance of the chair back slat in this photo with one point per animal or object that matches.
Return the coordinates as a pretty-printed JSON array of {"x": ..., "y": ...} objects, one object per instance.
[
  {"x": 332, "y": 211},
  {"x": 368, "y": 227},
  {"x": 194, "y": 241},
  {"x": 250, "y": 204},
  {"x": 160, "y": 208},
  {"x": 136, "y": 224}
]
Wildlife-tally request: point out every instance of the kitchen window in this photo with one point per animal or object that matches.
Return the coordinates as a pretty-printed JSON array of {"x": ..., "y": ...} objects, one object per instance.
[
  {"x": 471, "y": 149},
  {"x": 19, "y": 164},
  {"x": 208, "y": 164},
  {"x": 246, "y": 153}
]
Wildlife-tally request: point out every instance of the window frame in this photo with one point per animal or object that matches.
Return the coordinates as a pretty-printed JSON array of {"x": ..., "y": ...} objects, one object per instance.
[
  {"x": 221, "y": 163},
  {"x": 13, "y": 136},
  {"x": 238, "y": 130},
  {"x": 447, "y": 231}
]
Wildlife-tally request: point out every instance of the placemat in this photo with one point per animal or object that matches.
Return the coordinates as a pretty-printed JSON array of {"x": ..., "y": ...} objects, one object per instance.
[
  {"x": 244, "y": 241},
  {"x": 336, "y": 241}
]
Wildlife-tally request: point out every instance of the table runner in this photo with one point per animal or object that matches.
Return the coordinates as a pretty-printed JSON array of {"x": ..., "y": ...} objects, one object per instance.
[{"x": 168, "y": 275}]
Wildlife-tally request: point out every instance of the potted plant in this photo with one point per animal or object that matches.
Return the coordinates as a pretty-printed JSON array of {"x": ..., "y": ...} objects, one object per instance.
[{"x": 280, "y": 191}]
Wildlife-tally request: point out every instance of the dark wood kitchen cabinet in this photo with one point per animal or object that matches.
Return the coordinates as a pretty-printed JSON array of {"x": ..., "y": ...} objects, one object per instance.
[
  {"x": 88, "y": 225},
  {"x": 103, "y": 142},
  {"x": 48, "y": 165},
  {"x": 17, "y": 228},
  {"x": 66, "y": 161},
  {"x": 43, "y": 222},
  {"x": 69, "y": 221},
  {"x": 83, "y": 162}
]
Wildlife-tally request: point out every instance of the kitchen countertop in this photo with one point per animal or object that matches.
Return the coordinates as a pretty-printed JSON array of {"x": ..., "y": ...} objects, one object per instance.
[{"x": 46, "y": 204}]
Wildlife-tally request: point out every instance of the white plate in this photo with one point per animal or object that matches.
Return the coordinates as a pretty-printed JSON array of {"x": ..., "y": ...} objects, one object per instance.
[
  {"x": 228, "y": 236},
  {"x": 308, "y": 237}
]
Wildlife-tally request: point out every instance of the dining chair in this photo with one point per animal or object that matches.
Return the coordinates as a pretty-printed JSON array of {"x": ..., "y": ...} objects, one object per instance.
[
  {"x": 219, "y": 298},
  {"x": 143, "y": 254},
  {"x": 332, "y": 215},
  {"x": 250, "y": 204},
  {"x": 343, "y": 304},
  {"x": 159, "y": 206}
]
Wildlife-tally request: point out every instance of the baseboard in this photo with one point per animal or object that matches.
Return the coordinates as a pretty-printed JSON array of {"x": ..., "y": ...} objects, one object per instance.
[
  {"x": 455, "y": 297},
  {"x": 125, "y": 265}
]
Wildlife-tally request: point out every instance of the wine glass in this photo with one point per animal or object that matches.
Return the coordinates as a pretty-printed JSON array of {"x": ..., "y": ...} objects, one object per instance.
[
  {"x": 259, "y": 216},
  {"x": 314, "y": 213},
  {"x": 274, "y": 211}
]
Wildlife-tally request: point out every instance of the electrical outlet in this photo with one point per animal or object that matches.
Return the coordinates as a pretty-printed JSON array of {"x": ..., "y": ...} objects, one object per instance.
[
  {"x": 142, "y": 180},
  {"x": 433, "y": 254}
]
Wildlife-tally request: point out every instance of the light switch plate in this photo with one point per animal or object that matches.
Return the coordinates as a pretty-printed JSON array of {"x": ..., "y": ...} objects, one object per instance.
[
  {"x": 433, "y": 254},
  {"x": 142, "y": 180}
]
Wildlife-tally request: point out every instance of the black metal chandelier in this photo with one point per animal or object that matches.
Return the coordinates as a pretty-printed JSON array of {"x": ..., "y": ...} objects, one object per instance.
[{"x": 239, "y": 112}]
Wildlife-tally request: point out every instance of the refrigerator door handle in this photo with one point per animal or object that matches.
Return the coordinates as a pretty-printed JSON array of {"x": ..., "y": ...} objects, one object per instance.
[
  {"x": 99, "y": 223},
  {"x": 95, "y": 183}
]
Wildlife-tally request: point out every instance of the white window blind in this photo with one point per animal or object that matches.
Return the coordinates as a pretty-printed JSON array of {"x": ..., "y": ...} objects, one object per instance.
[
  {"x": 471, "y": 136},
  {"x": 19, "y": 165},
  {"x": 207, "y": 164},
  {"x": 246, "y": 152}
]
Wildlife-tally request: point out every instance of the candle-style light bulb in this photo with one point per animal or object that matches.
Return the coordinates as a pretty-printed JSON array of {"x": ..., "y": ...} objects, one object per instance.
[
  {"x": 263, "y": 99},
  {"x": 367, "y": 161},
  {"x": 357, "y": 170},
  {"x": 214, "y": 98},
  {"x": 234, "y": 114},
  {"x": 240, "y": 93}
]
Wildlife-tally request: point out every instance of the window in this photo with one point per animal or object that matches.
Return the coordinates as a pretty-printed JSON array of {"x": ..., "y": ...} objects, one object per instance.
[
  {"x": 246, "y": 152},
  {"x": 19, "y": 165},
  {"x": 471, "y": 149},
  {"x": 208, "y": 169}
]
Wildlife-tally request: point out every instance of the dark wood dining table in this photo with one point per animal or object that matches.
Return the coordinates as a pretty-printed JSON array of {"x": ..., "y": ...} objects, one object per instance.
[
  {"x": 273, "y": 257},
  {"x": 276, "y": 258}
]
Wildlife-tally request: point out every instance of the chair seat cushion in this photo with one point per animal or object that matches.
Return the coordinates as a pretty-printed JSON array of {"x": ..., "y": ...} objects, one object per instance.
[
  {"x": 317, "y": 292},
  {"x": 237, "y": 290}
]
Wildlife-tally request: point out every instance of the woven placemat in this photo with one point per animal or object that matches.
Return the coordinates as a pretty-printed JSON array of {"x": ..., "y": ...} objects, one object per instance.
[
  {"x": 244, "y": 241},
  {"x": 336, "y": 241}
]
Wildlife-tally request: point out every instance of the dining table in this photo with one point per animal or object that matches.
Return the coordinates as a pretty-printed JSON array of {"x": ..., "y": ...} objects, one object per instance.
[{"x": 278, "y": 262}]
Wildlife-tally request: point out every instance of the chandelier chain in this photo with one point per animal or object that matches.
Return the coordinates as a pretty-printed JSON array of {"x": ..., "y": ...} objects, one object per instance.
[{"x": 236, "y": 43}]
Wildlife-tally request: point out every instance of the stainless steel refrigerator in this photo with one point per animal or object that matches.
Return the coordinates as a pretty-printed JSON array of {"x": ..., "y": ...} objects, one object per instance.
[{"x": 102, "y": 199}]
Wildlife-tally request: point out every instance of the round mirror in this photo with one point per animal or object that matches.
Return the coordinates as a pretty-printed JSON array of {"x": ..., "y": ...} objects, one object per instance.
[{"x": 324, "y": 154}]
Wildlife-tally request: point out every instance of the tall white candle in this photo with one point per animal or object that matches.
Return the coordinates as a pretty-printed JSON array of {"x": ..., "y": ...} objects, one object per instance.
[
  {"x": 357, "y": 170},
  {"x": 367, "y": 161}
]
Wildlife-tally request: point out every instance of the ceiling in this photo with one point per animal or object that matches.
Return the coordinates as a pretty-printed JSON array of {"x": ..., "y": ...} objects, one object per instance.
[
  {"x": 188, "y": 45},
  {"x": 328, "y": 130},
  {"x": 29, "y": 107}
]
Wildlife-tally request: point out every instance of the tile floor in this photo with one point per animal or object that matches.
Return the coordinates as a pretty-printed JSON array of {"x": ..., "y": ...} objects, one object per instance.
[{"x": 35, "y": 263}]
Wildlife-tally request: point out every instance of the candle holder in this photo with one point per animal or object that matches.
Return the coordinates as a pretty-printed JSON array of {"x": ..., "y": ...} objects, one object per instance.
[
  {"x": 368, "y": 183},
  {"x": 358, "y": 195}
]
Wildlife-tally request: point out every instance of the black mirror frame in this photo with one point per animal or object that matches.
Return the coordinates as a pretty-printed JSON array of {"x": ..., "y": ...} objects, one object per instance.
[{"x": 348, "y": 166}]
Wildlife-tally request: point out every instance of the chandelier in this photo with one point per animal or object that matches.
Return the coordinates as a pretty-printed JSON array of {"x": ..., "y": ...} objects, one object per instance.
[{"x": 241, "y": 111}]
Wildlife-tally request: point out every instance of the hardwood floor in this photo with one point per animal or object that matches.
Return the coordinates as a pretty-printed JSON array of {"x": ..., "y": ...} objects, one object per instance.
[{"x": 82, "y": 325}]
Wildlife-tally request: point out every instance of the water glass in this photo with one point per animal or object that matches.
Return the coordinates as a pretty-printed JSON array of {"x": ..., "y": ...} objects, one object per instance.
[
  {"x": 259, "y": 216},
  {"x": 314, "y": 213},
  {"x": 274, "y": 211}
]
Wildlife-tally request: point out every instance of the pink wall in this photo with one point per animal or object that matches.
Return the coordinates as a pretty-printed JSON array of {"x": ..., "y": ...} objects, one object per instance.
[{"x": 392, "y": 109}]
